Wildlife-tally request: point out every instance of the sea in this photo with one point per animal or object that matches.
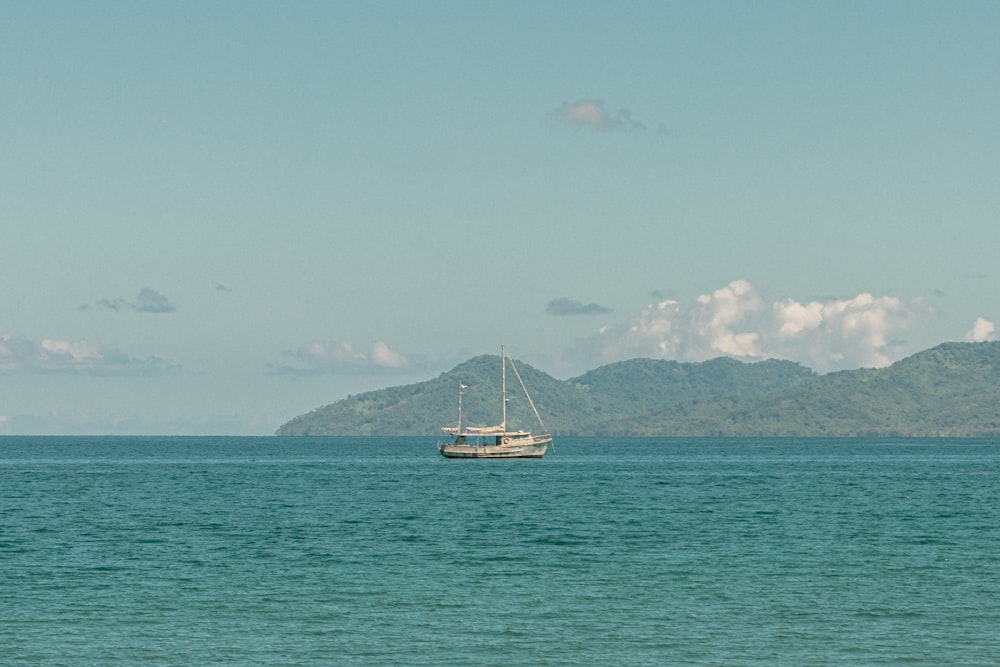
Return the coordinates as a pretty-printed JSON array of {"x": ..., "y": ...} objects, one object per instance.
[{"x": 609, "y": 551}]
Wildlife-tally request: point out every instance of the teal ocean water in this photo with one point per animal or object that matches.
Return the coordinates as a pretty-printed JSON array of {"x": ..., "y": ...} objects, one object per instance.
[{"x": 338, "y": 551}]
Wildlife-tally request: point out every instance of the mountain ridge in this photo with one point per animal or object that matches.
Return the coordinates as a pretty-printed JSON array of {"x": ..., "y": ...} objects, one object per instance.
[{"x": 951, "y": 389}]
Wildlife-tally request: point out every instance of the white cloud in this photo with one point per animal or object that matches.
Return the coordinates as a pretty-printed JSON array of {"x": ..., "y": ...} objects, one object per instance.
[
  {"x": 735, "y": 321},
  {"x": 718, "y": 314},
  {"x": 55, "y": 356},
  {"x": 593, "y": 113},
  {"x": 343, "y": 357},
  {"x": 843, "y": 333},
  {"x": 382, "y": 356},
  {"x": 716, "y": 325},
  {"x": 982, "y": 330},
  {"x": 793, "y": 317}
]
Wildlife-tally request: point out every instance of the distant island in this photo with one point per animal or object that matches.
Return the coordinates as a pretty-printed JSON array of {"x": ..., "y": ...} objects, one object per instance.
[{"x": 952, "y": 390}]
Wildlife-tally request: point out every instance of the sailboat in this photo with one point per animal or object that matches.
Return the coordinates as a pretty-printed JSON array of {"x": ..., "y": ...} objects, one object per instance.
[{"x": 495, "y": 442}]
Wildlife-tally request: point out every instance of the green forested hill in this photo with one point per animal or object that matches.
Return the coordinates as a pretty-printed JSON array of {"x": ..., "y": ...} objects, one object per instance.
[
  {"x": 425, "y": 407},
  {"x": 645, "y": 386},
  {"x": 952, "y": 389}
]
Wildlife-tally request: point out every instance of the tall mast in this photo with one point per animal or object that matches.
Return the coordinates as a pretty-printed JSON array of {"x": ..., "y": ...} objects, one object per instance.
[{"x": 503, "y": 388}]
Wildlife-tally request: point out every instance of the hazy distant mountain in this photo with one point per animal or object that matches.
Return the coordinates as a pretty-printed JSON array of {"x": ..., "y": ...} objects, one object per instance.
[{"x": 950, "y": 390}]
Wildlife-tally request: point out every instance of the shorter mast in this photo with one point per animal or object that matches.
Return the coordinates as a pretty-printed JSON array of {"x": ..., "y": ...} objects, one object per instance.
[{"x": 503, "y": 389}]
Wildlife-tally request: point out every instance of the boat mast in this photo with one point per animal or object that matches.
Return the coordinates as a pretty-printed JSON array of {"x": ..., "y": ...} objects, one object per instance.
[
  {"x": 460, "y": 388},
  {"x": 503, "y": 389}
]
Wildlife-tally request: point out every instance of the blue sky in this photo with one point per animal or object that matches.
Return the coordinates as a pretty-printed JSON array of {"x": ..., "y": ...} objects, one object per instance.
[{"x": 216, "y": 216}]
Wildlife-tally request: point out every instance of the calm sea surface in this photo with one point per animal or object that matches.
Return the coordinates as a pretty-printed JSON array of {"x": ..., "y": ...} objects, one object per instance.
[{"x": 368, "y": 551}]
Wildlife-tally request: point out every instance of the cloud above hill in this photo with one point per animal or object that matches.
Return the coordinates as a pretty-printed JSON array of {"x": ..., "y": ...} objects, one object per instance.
[
  {"x": 80, "y": 357},
  {"x": 737, "y": 321},
  {"x": 982, "y": 330},
  {"x": 343, "y": 358}
]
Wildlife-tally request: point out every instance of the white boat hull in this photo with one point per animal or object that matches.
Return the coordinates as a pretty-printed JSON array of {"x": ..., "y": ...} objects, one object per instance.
[{"x": 533, "y": 449}]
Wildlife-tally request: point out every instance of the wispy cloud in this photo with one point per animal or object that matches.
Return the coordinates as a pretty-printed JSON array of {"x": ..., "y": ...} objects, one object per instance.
[
  {"x": 592, "y": 113},
  {"x": 80, "y": 357},
  {"x": 737, "y": 321},
  {"x": 115, "y": 304},
  {"x": 564, "y": 306},
  {"x": 344, "y": 358},
  {"x": 148, "y": 300},
  {"x": 982, "y": 330}
]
